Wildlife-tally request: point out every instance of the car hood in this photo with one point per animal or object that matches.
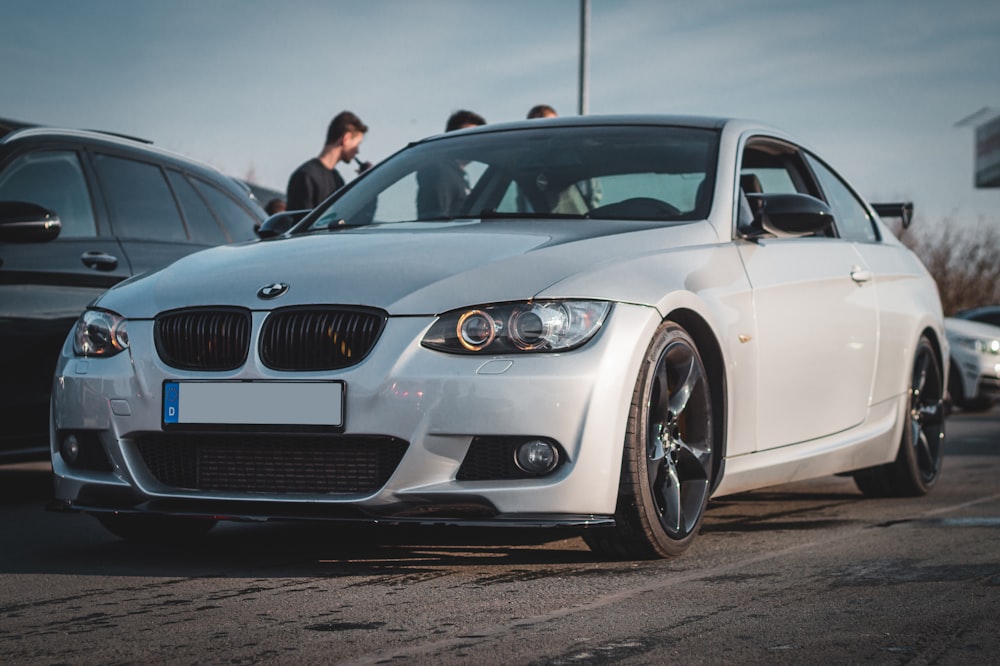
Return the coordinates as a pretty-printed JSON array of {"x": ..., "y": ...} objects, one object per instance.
[
  {"x": 970, "y": 329},
  {"x": 406, "y": 269}
]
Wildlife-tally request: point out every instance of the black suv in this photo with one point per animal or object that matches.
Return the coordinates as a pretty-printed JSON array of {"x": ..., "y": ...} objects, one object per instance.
[{"x": 79, "y": 212}]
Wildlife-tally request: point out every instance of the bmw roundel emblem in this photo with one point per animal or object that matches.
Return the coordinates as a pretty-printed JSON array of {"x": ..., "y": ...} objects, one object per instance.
[{"x": 273, "y": 290}]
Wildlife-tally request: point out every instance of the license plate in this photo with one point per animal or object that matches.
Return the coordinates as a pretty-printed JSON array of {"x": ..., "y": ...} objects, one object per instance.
[{"x": 316, "y": 404}]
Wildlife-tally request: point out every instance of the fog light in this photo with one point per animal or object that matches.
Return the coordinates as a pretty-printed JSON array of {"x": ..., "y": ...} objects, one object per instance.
[
  {"x": 537, "y": 457},
  {"x": 70, "y": 449}
]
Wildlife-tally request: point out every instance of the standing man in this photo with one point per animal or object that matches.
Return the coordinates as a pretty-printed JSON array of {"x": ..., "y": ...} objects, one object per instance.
[
  {"x": 317, "y": 179},
  {"x": 442, "y": 188}
]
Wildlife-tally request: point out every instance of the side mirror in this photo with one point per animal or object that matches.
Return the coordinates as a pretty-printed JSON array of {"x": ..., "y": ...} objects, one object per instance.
[
  {"x": 23, "y": 222},
  {"x": 787, "y": 216},
  {"x": 278, "y": 224}
]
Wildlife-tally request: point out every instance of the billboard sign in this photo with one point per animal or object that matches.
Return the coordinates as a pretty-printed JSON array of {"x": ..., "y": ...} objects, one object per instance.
[{"x": 988, "y": 153}]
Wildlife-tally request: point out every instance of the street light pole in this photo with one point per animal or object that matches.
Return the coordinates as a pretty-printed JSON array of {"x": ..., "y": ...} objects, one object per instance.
[{"x": 582, "y": 107}]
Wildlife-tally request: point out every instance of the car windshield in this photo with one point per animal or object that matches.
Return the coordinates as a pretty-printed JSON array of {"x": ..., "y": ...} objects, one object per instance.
[{"x": 654, "y": 173}]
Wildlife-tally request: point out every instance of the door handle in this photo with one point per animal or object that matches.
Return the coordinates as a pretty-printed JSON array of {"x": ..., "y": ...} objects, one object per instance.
[
  {"x": 98, "y": 260},
  {"x": 860, "y": 275}
]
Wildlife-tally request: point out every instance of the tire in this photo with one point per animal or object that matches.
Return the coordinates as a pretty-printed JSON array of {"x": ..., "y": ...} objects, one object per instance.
[
  {"x": 151, "y": 528},
  {"x": 918, "y": 463},
  {"x": 666, "y": 473}
]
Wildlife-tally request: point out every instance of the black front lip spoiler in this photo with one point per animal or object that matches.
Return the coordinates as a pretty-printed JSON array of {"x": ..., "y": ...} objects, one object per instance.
[{"x": 464, "y": 516}]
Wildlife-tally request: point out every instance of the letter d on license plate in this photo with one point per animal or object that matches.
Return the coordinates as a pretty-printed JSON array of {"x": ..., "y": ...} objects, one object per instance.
[{"x": 253, "y": 403}]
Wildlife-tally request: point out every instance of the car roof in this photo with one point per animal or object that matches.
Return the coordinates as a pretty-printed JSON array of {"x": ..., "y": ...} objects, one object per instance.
[
  {"x": 982, "y": 309},
  {"x": 95, "y": 137},
  {"x": 19, "y": 133},
  {"x": 622, "y": 120},
  {"x": 8, "y": 125},
  {"x": 625, "y": 120}
]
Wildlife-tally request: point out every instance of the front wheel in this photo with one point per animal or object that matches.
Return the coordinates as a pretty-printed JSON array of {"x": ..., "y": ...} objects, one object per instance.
[
  {"x": 918, "y": 463},
  {"x": 667, "y": 463}
]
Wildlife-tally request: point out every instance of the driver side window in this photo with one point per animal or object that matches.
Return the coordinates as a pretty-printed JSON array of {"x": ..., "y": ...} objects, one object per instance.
[
  {"x": 772, "y": 166},
  {"x": 53, "y": 179}
]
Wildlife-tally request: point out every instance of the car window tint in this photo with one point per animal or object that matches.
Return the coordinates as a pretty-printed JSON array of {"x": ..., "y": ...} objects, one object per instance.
[
  {"x": 141, "y": 203},
  {"x": 202, "y": 224},
  {"x": 53, "y": 179},
  {"x": 849, "y": 214},
  {"x": 237, "y": 220}
]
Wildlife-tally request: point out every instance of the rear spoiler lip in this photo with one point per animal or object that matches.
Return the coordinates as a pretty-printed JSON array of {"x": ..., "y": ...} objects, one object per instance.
[{"x": 903, "y": 210}]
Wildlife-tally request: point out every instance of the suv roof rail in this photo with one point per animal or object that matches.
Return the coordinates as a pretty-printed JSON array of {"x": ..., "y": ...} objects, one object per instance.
[
  {"x": 9, "y": 125},
  {"x": 121, "y": 136}
]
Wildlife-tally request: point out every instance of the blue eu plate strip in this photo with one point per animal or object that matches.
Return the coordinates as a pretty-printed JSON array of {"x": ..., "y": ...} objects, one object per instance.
[{"x": 171, "y": 401}]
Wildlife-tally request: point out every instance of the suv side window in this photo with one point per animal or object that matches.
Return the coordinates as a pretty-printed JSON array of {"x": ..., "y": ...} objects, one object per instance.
[
  {"x": 53, "y": 179},
  {"x": 236, "y": 219},
  {"x": 850, "y": 216},
  {"x": 204, "y": 227},
  {"x": 139, "y": 199}
]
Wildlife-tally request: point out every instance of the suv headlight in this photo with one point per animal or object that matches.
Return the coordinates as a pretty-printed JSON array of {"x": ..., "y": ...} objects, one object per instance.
[
  {"x": 100, "y": 333},
  {"x": 528, "y": 326}
]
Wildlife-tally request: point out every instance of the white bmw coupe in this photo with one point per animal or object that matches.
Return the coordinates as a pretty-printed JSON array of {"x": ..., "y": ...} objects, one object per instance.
[{"x": 598, "y": 323}]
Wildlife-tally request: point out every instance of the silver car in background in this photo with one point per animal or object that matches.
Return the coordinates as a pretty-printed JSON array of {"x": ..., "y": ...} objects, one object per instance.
[
  {"x": 974, "y": 337},
  {"x": 608, "y": 321}
]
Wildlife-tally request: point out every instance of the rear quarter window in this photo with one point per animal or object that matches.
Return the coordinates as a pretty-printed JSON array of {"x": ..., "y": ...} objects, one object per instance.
[
  {"x": 237, "y": 220},
  {"x": 201, "y": 222}
]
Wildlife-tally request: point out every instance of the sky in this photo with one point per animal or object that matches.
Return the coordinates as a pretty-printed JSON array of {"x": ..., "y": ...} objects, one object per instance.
[{"x": 877, "y": 87}]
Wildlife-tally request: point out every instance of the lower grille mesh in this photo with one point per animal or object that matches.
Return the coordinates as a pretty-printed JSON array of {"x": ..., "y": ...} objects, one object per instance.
[{"x": 271, "y": 463}]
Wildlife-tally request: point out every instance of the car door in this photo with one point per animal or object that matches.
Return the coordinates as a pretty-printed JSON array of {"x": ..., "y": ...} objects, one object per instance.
[
  {"x": 894, "y": 270},
  {"x": 143, "y": 211},
  {"x": 817, "y": 317},
  {"x": 44, "y": 286}
]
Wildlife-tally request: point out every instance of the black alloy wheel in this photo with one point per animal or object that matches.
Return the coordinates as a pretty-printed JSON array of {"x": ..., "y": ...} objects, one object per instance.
[
  {"x": 918, "y": 463},
  {"x": 667, "y": 463}
]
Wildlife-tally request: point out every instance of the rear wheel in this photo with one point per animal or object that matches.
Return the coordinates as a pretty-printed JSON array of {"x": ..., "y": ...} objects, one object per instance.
[
  {"x": 151, "y": 528},
  {"x": 918, "y": 463},
  {"x": 667, "y": 462}
]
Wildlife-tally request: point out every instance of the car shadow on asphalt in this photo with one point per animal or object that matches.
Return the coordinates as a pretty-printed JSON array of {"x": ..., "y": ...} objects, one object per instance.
[{"x": 25, "y": 482}]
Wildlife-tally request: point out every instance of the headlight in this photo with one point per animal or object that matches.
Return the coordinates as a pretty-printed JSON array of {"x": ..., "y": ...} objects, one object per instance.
[
  {"x": 531, "y": 326},
  {"x": 100, "y": 333},
  {"x": 979, "y": 345}
]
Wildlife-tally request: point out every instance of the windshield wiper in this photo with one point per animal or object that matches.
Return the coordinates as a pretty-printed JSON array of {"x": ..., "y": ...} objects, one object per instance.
[{"x": 491, "y": 214}]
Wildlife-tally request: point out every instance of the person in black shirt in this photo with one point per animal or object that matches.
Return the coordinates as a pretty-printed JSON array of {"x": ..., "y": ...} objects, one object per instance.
[
  {"x": 317, "y": 178},
  {"x": 442, "y": 188}
]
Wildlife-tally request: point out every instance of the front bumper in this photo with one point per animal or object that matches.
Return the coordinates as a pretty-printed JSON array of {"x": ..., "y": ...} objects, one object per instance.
[
  {"x": 979, "y": 373},
  {"x": 435, "y": 404}
]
